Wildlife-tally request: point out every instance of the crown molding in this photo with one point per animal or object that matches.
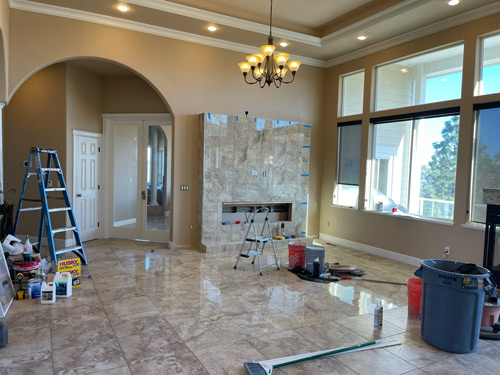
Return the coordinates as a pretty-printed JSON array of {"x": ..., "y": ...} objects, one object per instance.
[
  {"x": 183, "y": 10},
  {"x": 205, "y": 15},
  {"x": 457, "y": 20},
  {"x": 373, "y": 20},
  {"x": 143, "y": 28}
]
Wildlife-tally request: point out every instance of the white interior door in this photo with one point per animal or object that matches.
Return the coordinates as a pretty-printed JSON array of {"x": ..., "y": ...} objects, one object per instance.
[
  {"x": 138, "y": 169},
  {"x": 86, "y": 151}
]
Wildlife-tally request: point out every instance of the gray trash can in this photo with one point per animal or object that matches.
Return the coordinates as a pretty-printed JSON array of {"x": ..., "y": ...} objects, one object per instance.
[
  {"x": 452, "y": 304},
  {"x": 313, "y": 252}
]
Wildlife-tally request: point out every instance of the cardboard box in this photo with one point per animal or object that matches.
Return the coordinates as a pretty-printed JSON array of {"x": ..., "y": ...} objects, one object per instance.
[{"x": 73, "y": 266}]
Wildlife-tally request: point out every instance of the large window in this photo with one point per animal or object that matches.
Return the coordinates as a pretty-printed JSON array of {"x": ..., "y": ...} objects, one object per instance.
[
  {"x": 349, "y": 150},
  {"x": 352, "y": 93},
  {"x": 427, "y": 78},
  {"x": 414, "y": 165},
  {"x": 490, "y": 66},
  {"x": 486, "y": 173}
]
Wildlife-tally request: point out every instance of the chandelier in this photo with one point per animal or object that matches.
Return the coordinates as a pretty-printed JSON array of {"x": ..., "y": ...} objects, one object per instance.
[{"x": 268, "y": 67}]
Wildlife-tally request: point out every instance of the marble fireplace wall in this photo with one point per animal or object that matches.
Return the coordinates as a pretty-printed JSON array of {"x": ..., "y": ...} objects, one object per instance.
[{"x": 246, "y": 159}]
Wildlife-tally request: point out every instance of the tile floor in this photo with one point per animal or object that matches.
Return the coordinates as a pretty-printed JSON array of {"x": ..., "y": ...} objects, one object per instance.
[{"x": 188, "y": 313}]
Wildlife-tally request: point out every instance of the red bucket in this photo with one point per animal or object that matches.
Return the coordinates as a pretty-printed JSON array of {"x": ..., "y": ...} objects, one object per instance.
[
  {"x": 296, "y": 254},
  {"x": 414, "y": 297}
]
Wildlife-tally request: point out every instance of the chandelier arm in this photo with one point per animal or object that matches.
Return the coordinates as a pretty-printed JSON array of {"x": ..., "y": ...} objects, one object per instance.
[
  {"x": 293, "y": 78},
  {"x": 250, "y": 83}
]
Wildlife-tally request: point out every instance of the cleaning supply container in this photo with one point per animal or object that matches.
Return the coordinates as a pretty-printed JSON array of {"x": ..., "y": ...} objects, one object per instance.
[
  {"x": 312, "y": 252},
  {"x": 296, "y": 254},
  {"x": 452, "y": 304},
  {"x": 491, "y": 313},
  {"x": 414, "y": 297},
  {"x": 48, "y": 293},
  {"x": 63, "y": 284}
]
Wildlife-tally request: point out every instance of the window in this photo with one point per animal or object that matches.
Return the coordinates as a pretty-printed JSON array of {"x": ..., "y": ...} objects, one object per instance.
[
  {"x": 427, "y": 78},
  {"x": 490, "y": 66},
  {"x": 414, "y": 165},
  {"x": 349, "y": 151},
  {"x": 352, "y": 93},
  {"x": 486, "y": 169}
]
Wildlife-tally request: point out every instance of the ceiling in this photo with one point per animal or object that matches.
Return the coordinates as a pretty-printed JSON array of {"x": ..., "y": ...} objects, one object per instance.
[{"x": 319, "y": 32}]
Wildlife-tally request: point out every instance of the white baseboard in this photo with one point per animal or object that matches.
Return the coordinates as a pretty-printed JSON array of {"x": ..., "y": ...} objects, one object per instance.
[
  {"x": 372, "y": 250},
  {"x": 122, "y": 223}
]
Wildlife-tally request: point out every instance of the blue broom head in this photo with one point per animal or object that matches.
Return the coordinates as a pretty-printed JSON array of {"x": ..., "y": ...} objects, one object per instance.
[{"x": 254, "y": 368}]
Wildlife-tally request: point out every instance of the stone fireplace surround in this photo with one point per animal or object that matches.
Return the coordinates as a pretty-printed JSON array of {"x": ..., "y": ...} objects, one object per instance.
[{"x": 250, "y": 161}]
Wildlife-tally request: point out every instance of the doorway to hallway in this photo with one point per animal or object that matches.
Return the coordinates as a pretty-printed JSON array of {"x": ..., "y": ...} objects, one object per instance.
[{"x": 138, "y": 174}]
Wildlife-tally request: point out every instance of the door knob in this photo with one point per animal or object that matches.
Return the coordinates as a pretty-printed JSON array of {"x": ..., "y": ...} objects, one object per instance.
[
  {"x": 79, "y": 195},
  {"x": 143, "y": 194}
]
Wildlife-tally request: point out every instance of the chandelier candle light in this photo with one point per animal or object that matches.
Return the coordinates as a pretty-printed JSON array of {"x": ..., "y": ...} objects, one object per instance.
[{"x": 267, "y": 67}]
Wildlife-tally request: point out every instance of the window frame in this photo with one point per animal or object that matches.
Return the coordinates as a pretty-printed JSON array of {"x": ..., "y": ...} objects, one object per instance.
[
  {"x": 412, "y": 117},
  {"x": 477, "y": 108},
  {"x": 335, "y": 197},
  {"x": 342, "y": 93}
]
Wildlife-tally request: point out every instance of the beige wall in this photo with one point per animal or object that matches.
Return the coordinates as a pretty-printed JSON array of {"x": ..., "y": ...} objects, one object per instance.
[
  {"x": 169, "y": 65},
  {"x": 409, "y": 237},
  {"x": 130, "y": 95},
  {"x": 43, "y": 125},
  {"x": 84, "y": 102}
]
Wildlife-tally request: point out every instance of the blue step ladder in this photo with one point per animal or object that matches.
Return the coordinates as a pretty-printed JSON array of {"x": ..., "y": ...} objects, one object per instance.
[{"x": 43, "y": 178}]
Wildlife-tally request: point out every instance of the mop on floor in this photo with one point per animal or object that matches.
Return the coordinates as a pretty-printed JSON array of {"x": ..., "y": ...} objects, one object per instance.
[{"x": 266, "y": 367}]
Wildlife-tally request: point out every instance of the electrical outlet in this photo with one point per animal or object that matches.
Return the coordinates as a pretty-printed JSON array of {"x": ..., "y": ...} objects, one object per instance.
[
  {"x": 446, "y": 250},
  {"x": 327, "y": 223}
]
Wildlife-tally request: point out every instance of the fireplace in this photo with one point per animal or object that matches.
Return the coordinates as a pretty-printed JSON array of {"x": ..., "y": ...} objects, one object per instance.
[
  {"x": 491, "y": 258},
  {"x": 247, "y": 163}
]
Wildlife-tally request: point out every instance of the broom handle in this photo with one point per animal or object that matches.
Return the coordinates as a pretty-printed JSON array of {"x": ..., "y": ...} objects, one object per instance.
[{"x": 284, "y": 361}]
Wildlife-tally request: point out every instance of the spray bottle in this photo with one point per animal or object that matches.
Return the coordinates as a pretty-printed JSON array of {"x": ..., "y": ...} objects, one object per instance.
[{"x": 282, "y": 234}]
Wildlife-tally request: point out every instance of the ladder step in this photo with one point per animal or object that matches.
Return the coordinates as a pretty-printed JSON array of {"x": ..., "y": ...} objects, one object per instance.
[
  {"x": 68, "y": 249},
  {"x": 56, "y": 189},
  {"x": 59, "y": 230},
  {"x": 31, "y": 209},
  {"x": 258, "y": 239},
  {"x": 51, "y": 170},
  {"x": 252, "y": 254},
  {"x": 59, "y": 209},
  {"x": 31, "y": 174}
]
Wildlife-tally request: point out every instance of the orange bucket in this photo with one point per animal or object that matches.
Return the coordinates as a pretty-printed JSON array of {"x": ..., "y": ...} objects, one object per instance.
[
  {"x": 296, "y": 254},
  {"x": 414, "y": 297}
]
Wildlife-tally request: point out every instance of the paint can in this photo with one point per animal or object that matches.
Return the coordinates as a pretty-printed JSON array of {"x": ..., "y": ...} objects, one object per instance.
[{"x": 34, "y": 288}]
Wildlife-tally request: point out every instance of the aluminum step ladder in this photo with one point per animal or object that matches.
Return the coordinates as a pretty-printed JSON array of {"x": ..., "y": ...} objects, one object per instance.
[
  {"x": 257, "y": 243},
  {"x": 43, "y": 178}
]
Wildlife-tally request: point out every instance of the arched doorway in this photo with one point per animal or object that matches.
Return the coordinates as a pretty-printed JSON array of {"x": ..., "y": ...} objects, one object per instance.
[{"x": 72, "y": 96}]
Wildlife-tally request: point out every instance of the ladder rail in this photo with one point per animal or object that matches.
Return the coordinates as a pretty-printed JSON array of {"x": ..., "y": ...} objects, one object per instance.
[
  {"x": 259, "y": 241},
  {"x": 43, "y": 177},
  {"x": 23, "y": 190}
]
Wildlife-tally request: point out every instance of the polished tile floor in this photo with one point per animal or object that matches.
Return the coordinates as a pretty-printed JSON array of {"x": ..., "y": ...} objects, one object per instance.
[{"x": 188, "y": 313}]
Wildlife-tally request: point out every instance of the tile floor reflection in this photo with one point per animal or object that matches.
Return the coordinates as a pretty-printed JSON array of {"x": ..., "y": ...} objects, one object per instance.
[{"x": 189, "y": 313}]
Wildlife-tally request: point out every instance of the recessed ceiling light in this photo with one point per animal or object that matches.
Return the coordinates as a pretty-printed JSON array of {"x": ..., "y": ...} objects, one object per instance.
[
  {"x": 122, "y": 8},
  {"x": 212, "y": 28},
  {"x": 362, "y": 37},
  {"x": 453, "y": 2},
  {"x": 443, "y": 80},
  {"x": 404, "y": 70},
  {"x": 283, "y": 44}
]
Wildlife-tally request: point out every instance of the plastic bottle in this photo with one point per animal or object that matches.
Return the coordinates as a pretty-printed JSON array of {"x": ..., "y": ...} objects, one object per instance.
[
  {"x": 28, "y": 248},
  {"x": 378, "y": 316},
  {"x": 282, "y": 230}
]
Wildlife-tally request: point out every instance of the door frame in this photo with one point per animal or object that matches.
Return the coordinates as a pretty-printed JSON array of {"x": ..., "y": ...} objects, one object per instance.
[
  {"x": 108, "y": 122},
  {"x": 100, "y": 161}
]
